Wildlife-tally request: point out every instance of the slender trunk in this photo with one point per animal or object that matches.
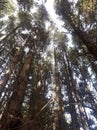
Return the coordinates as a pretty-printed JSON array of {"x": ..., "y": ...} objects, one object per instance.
[
  {"x": 82, "y": 114},
  {"x": 60, "y": 122},
  {"x": 92, "y": 101},
  {"x": 68, "y": 75},
  {"x": 84, "y": 123}
]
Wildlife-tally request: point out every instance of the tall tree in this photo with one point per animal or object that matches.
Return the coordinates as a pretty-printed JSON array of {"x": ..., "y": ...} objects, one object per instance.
[
  {"x": 64, "y": 7},
  {"x": 47, "y": 83}
]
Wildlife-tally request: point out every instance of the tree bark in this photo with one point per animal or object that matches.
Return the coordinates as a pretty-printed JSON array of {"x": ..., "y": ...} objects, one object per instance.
[
  {"x": 68, "y": 74},
  {"x": 1, "y": 40},
  {"x": 11, "y": 67},
  {"x": 16, "y": 100},
  {"x": 87, "y": 40}
]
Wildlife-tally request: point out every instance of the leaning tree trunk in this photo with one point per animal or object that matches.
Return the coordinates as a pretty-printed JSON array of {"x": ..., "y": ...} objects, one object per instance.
[
  {"x": 66, "y": 13},
  {"x": 73, "y": 83},
  {"x": 80, "y": 107},
  {"x": 15, "y": 102},
  {"x": 11, "y": 67},
  {"x": 9, "y": 34},
  {"x": 92, "y": 99}
]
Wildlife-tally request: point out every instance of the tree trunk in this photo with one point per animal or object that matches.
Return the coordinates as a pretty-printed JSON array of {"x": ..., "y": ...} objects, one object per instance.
[
  {"x": 11, "y": 67},
  {"x": 68, "y": 74},
  {"x": 16, "y": 100},
  {"x": 67, "y": 13},
  {"x": 1, "y": 40}
]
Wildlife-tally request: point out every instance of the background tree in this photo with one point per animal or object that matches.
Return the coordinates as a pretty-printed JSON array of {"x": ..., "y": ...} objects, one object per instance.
[{"x": 48, "y": 74}]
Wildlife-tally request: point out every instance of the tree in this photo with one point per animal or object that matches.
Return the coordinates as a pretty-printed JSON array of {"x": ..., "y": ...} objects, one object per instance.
[
  {"x": 77, "y": 24},
  {"x": 45, "y": 82}
]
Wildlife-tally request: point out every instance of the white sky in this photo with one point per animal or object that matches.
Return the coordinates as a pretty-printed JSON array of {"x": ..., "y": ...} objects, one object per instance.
[
  {"x": 56, "y": 20},
  {"x": 50, "y": 8}
]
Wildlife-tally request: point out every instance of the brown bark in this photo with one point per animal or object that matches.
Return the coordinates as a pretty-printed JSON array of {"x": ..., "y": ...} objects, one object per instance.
[
  {"x": 59, "y": 122},
  {"x": 82, "y": 114},
  {"x": 9, "y": 34},
  {"x": 18, "y": 95},
  {"x": 87, "y": 40},
  {"x": 11, "y": 67},
  {"x": 16, "y": 100}
]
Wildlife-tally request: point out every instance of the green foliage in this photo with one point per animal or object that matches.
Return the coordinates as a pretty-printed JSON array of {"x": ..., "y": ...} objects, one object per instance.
[
  {"x": 74, "y": 56},
  {"x": 7, "y": 7},
  {"x": 25, "y": 19},
  {"x": 56, "y": 71},
  {"x": 25, "y": 5}
]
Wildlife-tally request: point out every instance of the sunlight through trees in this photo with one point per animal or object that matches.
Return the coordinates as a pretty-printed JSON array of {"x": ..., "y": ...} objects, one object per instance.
[{"x": 48, "y": 65}]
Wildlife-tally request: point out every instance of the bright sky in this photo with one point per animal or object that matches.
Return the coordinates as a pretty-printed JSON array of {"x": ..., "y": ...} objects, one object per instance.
[
  {"x": 55, "y": 18},
  {"x": 50, "y": 8}
]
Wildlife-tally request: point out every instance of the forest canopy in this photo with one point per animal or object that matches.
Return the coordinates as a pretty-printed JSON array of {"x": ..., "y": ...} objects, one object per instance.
[{"x": 48, "y": 65}]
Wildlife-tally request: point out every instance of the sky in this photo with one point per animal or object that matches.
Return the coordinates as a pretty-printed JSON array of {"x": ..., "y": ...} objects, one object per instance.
[
  {"x": 50, "y": 8},
  {"x": 59, "y": 23}
]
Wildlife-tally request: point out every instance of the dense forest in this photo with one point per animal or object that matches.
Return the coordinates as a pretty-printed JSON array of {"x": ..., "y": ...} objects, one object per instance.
[{"x": 48, "y": 74}]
